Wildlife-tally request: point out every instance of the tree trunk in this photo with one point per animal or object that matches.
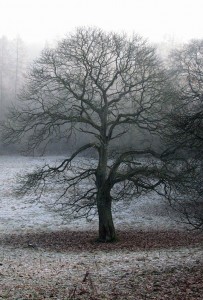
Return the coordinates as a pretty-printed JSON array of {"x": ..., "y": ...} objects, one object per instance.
[{"x": 106, "y": 226}]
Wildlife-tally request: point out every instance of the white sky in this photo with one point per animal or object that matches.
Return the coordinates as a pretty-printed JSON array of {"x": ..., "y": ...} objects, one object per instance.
[{"x": 47, "y": 20}]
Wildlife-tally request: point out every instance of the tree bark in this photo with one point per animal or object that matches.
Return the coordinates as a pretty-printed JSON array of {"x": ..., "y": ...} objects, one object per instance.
[{"x": 106, "y": 226}]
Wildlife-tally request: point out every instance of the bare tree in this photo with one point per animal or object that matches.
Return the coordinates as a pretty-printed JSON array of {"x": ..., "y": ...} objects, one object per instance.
[
  {"x": 186, "y": 126},
  {"x": 19, "y": 64},
  {"x": 12, "y": 67},
  {"x": 100, "y": 85},
  {"x": 3, "y": 52}
]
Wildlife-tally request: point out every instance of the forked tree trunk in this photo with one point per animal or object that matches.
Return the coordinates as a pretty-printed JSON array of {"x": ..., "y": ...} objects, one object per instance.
[{"x": 106, "y": 226}]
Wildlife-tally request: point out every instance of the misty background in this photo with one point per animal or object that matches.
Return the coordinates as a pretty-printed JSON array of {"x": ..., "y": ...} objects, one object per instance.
[{"x": 27, "y": 27}]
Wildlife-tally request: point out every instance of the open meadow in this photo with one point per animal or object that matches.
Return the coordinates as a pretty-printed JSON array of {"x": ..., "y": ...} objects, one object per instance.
[{"x": 44, "y": 256}]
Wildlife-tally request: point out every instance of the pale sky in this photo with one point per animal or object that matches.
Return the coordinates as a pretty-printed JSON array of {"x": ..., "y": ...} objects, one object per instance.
[{"x": 41, "y": 21}]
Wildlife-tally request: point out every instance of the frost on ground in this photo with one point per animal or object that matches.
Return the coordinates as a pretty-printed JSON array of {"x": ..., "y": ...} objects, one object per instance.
[
  {"x": 38, "y": 274},
  {"x": 16, "y": 215},
  {"x": 41, "y": 257}
]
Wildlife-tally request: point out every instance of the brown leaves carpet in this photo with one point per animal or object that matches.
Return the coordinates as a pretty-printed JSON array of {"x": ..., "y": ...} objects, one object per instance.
[{"x": 133, "y": 240}]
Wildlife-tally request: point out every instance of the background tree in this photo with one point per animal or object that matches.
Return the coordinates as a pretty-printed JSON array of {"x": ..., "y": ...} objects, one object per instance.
[
  {"x": 13, "y": 64},
  {"x": 20, "y": 62},
  {"x": 101, "y": 85},
  {"x": 186, "y": 127},
  {"x": 4, "y": 58},
  {"x": 187, "y": 64}
]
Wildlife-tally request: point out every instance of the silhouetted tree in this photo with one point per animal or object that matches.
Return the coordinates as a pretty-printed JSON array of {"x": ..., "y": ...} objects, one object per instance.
[
  {"x": 101, "y": 85},
  {"x": 186, "y": 127}
]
